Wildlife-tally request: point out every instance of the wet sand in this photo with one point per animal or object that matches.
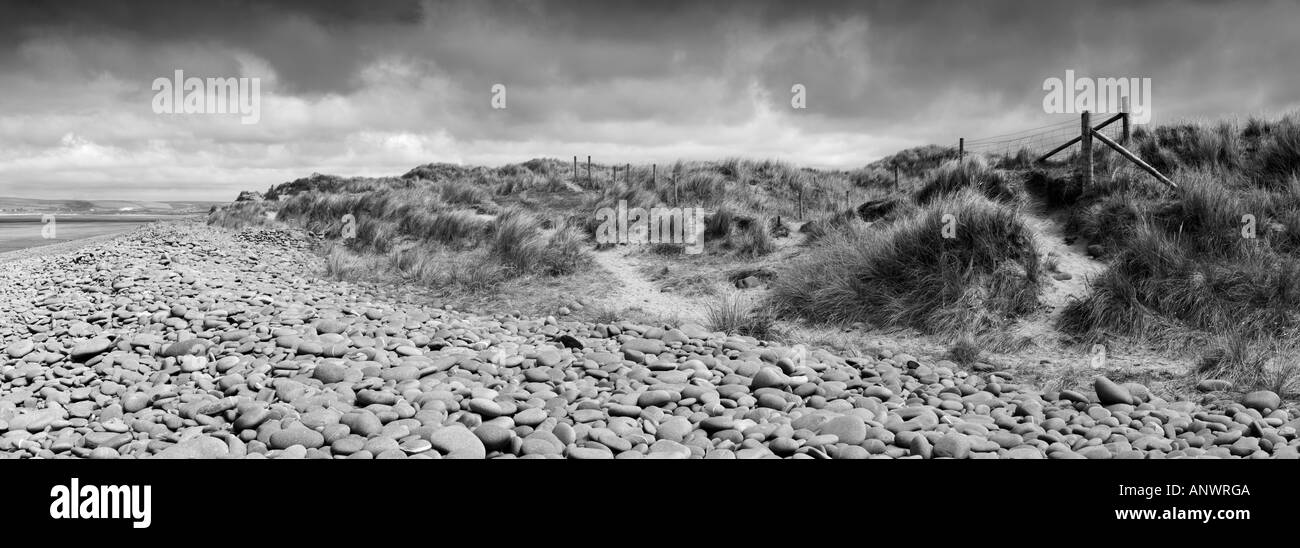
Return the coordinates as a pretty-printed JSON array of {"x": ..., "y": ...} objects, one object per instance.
[{"x": 27, "y": 231}]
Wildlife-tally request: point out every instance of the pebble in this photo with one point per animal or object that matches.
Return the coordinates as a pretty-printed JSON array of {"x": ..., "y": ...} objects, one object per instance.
[
  {"x": 189, "y": 347},
  {"x": 91, "y": 348},
  {"x": 1262, "y": 400},
  {"x": 1213, "y": 385},
  {"x": 952, "y": 445},
  {"x": 330, "y": 373},
  {"x": 589, "y": 453},
  {"x": 239, "y": 351},
  {"x": 493, "y": 438},
  {"x": 19, "y": 348},
  {"x": 296, "y": 435},
  {"x": 768, "y": 377},
  {"x": 850, "y": 429},
  {"x": 362, "y": 423},
  {"x": 1109, "y": 393},
  {"x": 456, "y": 441}
]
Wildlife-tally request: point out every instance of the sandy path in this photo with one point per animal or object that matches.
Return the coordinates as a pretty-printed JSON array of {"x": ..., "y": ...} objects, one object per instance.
[
  {"x": 1073, "y": 259},
  {"x": 634, "y": 291}
]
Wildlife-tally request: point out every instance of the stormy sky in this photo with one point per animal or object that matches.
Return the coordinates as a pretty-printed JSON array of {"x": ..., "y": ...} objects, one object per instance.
[{"x": 375, "y": 88}]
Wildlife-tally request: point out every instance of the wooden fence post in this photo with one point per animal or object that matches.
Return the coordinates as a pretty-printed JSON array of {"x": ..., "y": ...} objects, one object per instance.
[
  {"x": 896, "y": 189},
  {"x": 589, "y": 170},
  {"x": 1085, "y": 149},
  {"x": 961, "y": 148},
  {"x": 1124, "y": 111},
  {"x": 575, "y": 169},
  {"x": 801, "y": 202}
]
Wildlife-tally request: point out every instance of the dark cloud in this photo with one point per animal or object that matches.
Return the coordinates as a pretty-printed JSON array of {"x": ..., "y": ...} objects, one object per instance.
[{"x": 373, "y": 87}]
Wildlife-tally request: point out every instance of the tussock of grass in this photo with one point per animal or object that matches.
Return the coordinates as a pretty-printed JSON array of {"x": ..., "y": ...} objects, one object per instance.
[
  {"x": 695, "y": 189},
  {"x": 911, "y": 162},
  {"x": 964, "y": 351},
  {"x": 908, "y": 274},
  {"x": 718, "y": 225},
  {"x": 1278, "y": 159},
  {"x": 341, "y": 264},
  {"x": 462, "y": 194},
  {"x": 1177, "y": 277},
  {"x": 974, "y": 172},
  {"x": 242, "y": 214},
  {"x": 374, "y": 235},
  {"x": 1251, "y": 362},
  {"x": 754, "y": 239},
  {"x": 455, "y": 227},
  {"x": 739, "y": 314},
  {"x": 519, "y": 244},
  {"x": 817, "y": 229}
]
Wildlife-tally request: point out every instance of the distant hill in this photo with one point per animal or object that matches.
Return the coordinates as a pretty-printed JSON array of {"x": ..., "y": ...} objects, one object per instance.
[{"x": 33, "y": 205}]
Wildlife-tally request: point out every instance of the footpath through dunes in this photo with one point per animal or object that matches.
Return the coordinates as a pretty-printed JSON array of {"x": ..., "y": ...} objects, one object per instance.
[
  {"x": 182, "y": 340},
  {"x": 632, "y": 291},
  {"x": 1069, "y": 270}
]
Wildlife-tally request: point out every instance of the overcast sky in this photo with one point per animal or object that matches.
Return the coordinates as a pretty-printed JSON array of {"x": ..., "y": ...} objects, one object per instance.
[{"x": 378, "y": 87}]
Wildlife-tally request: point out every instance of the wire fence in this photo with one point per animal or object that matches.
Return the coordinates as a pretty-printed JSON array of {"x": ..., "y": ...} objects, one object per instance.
[{"x": 1035, "y": 142}]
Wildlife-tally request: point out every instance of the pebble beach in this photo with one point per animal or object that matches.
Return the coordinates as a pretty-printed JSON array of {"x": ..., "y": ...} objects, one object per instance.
[{"x": 180, "y": 340}]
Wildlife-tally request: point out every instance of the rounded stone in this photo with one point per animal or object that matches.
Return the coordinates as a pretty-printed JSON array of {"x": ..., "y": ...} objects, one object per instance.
[
  {"x": 493, "y": 437},
  {"x": 362, "y": 423},
  {"x": 188, "y": 347},
  {"x": 952, "y": 445},
  {"x": 850, "y": 429},
  {"x": 768, "y": 377},
  {"x": 456, "y": 441},
  {"x": 296, "y": 435},
  {"x": 1110, "y": 393},
  {"x": 1262, "y": 400}
]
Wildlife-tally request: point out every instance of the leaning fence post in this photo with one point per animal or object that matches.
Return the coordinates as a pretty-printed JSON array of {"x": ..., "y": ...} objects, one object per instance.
[{"x": 1085, "y": 149}]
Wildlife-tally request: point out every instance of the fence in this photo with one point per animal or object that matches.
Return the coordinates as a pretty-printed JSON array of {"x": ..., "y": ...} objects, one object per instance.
[
  {"x": 589, "y": 181},
  {"x": 1042, "y": 143}
]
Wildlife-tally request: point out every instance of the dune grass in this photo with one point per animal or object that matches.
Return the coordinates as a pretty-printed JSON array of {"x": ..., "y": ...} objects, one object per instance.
[
  {"x": 1212, "y": 265},
  {"x": 910, "y": 274},
  {"x": 973, "y": 171},
  {"x": 735, "y": 312}
]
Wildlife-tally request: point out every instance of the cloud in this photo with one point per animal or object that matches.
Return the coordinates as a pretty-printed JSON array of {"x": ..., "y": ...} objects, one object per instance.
[{"x": 376, "y": 88}]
